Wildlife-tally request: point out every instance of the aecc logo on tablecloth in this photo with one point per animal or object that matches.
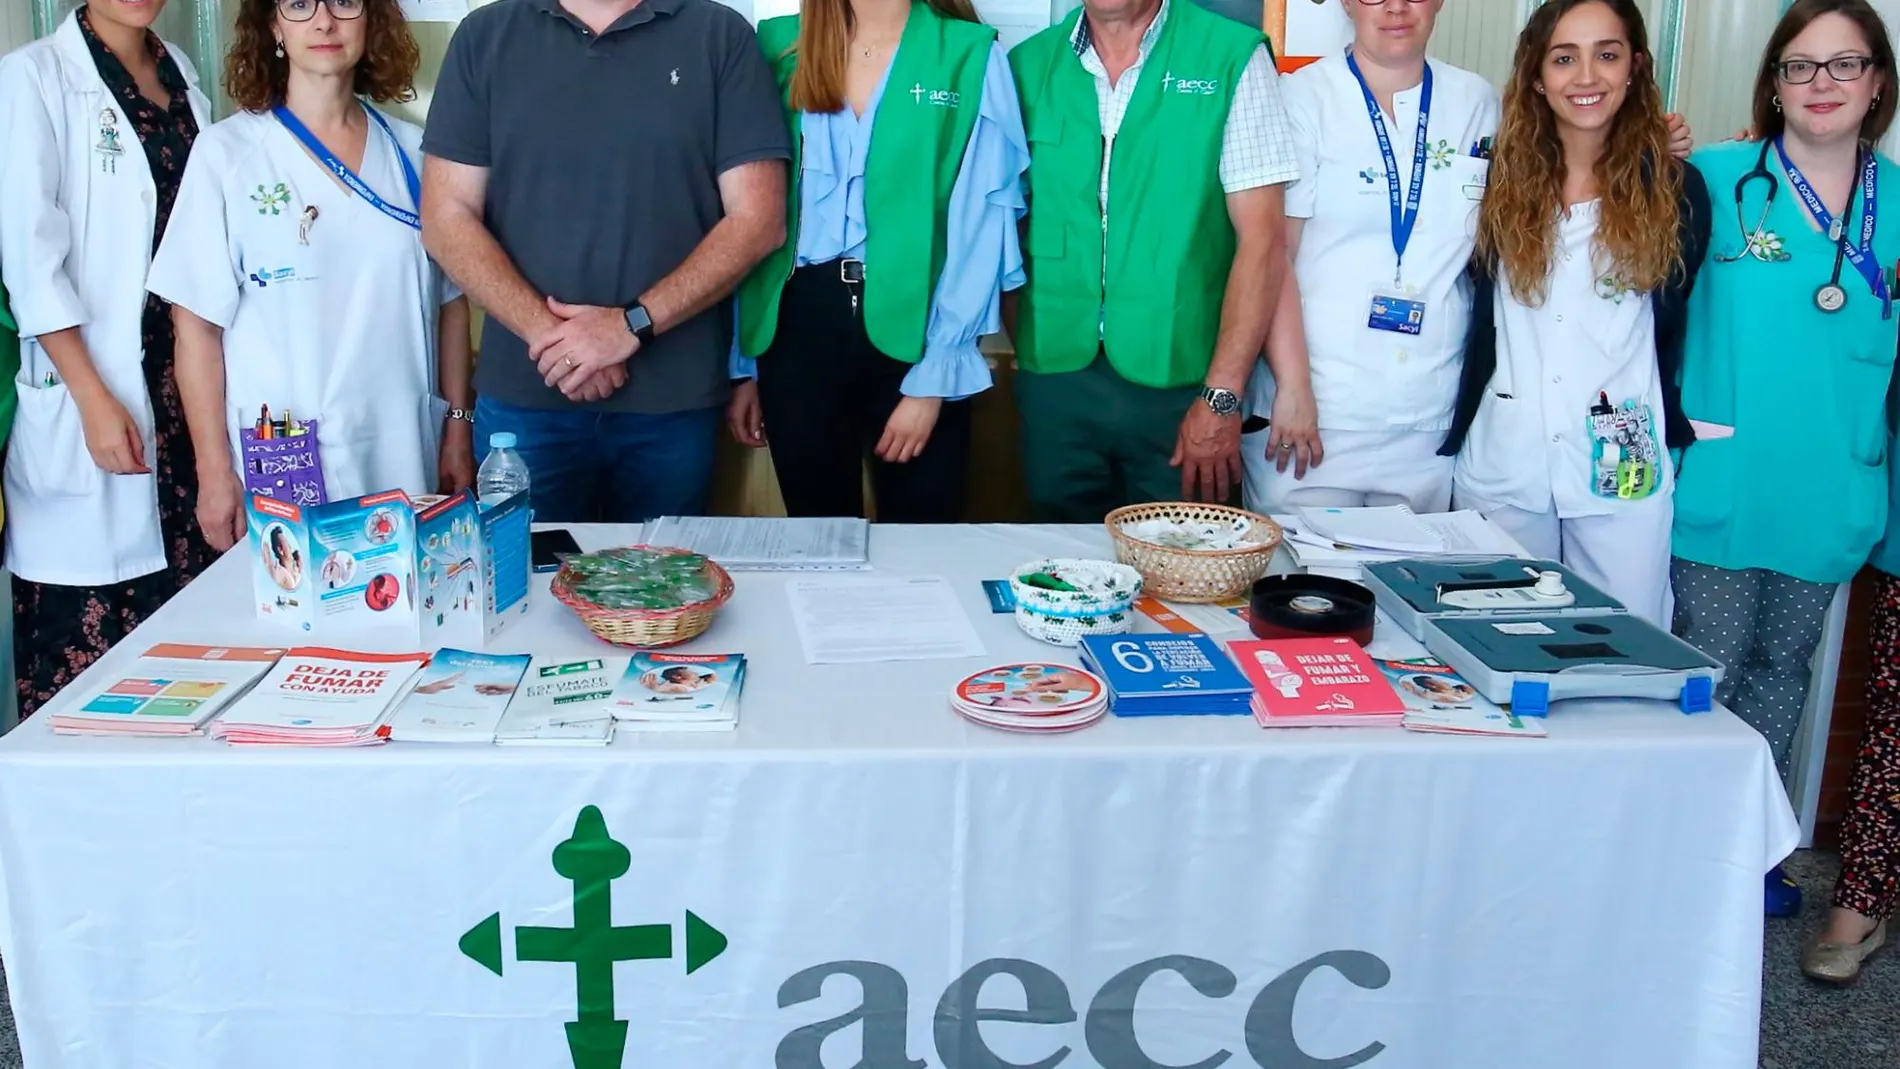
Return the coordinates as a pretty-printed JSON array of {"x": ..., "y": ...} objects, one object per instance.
[{"x": 593, "y": 859}]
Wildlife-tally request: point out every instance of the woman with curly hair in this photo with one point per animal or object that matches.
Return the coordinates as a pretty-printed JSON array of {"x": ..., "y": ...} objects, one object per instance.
[
  {"x": 1589, "y": 240},
  {"x": 295, "y": 267}
]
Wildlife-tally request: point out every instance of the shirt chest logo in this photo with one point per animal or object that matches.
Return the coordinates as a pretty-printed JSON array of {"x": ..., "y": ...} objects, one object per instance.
[
  {"x": 272, "y": 200},
  {"x": 264, "y": 276},
  {"x": 1193, "y": 87},
  {"x": 940, "y": 98}
]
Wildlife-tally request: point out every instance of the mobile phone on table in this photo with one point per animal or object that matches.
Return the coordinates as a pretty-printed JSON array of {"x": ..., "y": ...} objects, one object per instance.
[{"x": 553, "y": 546}]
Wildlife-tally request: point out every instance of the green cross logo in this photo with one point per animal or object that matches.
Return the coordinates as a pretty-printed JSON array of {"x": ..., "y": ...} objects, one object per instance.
[{"x": 593, "y": 860}]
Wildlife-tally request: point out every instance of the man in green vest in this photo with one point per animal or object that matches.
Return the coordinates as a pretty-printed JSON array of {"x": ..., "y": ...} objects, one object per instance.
[{"x": 1154, "y": 247}]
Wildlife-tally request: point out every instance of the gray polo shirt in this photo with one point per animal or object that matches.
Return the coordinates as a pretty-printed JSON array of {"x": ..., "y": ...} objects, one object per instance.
[{"x": 604, "y": 154}]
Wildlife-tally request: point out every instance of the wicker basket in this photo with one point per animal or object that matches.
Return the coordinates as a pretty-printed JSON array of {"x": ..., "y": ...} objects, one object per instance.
[
  {"x": 646, "y": 629},
  {"x": 1065, "y": 617},
  {"x": 1194, "y": 575}
]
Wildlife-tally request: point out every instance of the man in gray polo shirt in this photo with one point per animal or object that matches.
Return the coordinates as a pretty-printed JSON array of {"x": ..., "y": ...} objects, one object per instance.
[{"x": 600, "y": 174}]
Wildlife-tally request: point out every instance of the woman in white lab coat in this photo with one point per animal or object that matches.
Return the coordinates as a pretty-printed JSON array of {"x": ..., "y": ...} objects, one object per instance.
[
  {"x": 97, "y": 121},
  {"x": 296, "y": 270},
  {"x": 1589, "y": 242}
]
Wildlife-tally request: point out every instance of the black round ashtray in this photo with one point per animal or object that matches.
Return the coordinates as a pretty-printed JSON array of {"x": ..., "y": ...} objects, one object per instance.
[{"x": 1311, "y": 606}]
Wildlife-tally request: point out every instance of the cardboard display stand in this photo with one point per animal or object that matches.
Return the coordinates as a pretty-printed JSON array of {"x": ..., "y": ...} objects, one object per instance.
[{"x": 450, "y": 573}]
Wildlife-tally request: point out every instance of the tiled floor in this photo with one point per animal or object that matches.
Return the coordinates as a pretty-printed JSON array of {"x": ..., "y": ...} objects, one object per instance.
[{"x": 1804, "y": 1025}]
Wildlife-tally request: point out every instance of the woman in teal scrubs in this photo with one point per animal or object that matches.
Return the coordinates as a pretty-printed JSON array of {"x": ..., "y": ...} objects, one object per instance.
[{"x": 1788, "y": 355}]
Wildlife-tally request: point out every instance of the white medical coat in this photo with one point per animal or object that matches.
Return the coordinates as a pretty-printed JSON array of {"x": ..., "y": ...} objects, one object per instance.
[
  {"x": 75, "y": 242},
  {"x": 341, "y": 329}
]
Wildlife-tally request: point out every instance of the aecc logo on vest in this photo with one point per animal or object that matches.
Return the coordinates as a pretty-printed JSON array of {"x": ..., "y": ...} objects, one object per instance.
[
  {"x": 943, "y": 98},
  {"x": 1199, "y": 87}
]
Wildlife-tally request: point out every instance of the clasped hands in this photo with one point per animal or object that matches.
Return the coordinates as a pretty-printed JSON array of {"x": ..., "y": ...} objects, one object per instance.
[{"x": 584, "y": 351}]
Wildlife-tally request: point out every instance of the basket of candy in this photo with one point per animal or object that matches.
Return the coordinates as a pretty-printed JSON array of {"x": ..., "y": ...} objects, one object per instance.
[
  {"x": 643, "y": 597},
  {"x": 1187, "y": 551}
]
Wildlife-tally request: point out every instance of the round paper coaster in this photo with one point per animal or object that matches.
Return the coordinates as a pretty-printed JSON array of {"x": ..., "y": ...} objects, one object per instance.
[
  {"x": 1036, "y": 690},
  {"x": 1035, "y": 725}
]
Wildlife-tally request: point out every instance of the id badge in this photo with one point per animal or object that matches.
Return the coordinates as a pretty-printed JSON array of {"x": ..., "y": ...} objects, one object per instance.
[
  {"x": 1396, "y": 314},
  {"x": 1626, "y": 461}
]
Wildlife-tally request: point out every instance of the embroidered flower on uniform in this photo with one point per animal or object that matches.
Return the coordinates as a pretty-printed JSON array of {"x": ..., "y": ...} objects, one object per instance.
[
  {"x": 1613, "y": 289},
  {"x": 1440, "y": 154},
  {"x": 1767, "y": 246},
  {"x": 271, "y": 201}
]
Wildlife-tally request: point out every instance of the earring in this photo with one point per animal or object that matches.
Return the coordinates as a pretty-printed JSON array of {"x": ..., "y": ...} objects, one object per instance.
[
  {"x": 280, "y": 50},
  {"x": 1539, "y": 88},
  {"x": 1777, "y": 101}
]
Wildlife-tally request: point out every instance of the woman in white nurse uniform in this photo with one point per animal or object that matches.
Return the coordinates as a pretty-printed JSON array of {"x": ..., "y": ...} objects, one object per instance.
[
  {"x": 96, "y": 122},
  {"x": 296, "y": 269},
  {"x": 1589, "y": 243},
  {"x": 1393, "y": 152}
]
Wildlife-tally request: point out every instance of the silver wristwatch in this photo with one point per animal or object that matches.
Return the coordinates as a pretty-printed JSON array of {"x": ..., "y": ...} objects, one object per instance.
[
  {"x": 466, "y": 415},
  {"x": 1224, "y": 402}
]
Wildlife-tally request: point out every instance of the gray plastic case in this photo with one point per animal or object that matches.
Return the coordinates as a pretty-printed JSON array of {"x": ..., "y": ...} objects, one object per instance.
[
  {"x": 1605, "y": 655},
  {"x": 1408, "y": 589}
]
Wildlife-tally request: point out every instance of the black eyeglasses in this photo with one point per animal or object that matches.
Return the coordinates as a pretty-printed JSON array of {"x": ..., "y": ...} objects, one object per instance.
[
  {"x": 305, "y": 10},
  {"x": 1840, "y": 68}
]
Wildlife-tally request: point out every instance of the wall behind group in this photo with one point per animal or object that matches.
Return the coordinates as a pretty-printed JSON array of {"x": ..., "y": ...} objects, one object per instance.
[{"x": 1706, "y": 50}]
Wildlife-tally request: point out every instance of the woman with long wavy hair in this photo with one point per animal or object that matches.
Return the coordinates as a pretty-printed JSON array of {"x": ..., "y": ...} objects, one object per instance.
[
  {"x": 1589, "y": 240},
  {"x": 900, "y": 236},
  {"x": 295, "y": 268}
]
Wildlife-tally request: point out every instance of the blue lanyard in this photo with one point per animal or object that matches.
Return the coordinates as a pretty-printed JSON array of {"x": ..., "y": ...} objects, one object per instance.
[
  {"x": 349, "y": 178},
  {"x": 1861, "y": 255},
  {"x": 1404, "y": 210}
]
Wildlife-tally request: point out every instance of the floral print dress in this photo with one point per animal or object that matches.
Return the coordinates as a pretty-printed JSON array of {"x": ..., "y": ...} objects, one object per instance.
[{"x": 61, "y": 630}]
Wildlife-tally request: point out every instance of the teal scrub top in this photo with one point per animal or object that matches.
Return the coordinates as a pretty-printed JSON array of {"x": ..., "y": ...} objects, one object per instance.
[{"x": 1801, "y": 488}]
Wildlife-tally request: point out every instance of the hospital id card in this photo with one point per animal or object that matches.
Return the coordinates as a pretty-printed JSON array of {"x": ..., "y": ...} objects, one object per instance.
[{"x": 1396, "y": 314}]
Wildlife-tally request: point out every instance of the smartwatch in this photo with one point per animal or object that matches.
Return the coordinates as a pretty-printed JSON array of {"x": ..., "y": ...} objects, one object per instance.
[
  {"x": 640, "y": 324},
  {"x": 1224, "y": 402}
]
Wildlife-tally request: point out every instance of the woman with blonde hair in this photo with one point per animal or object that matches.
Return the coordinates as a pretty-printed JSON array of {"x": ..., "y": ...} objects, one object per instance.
[
  {"x": 900, "y": 237},
  {"x": 1589, "y": 240}
]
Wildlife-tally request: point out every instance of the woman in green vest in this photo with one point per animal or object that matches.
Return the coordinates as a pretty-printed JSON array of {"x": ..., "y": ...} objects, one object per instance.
[
  {"x": 1784, "y": 492},
  {"x": 859, "y": 335}
]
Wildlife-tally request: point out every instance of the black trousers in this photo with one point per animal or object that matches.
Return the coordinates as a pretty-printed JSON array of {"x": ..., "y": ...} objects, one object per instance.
[{"x": 826, "y": 393}]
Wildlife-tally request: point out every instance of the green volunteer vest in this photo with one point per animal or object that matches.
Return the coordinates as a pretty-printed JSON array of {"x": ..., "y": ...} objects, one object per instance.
[
  {"x": 923, "y": 123},
  {"x": 1154, "y": 302}
]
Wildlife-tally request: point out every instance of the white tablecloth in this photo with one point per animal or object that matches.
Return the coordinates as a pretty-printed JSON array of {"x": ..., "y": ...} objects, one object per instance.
[{"x": 1160, "y": 892}]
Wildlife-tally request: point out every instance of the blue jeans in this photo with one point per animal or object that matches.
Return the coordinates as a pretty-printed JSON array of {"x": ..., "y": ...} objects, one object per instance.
[{"x": 607, "y": 467}]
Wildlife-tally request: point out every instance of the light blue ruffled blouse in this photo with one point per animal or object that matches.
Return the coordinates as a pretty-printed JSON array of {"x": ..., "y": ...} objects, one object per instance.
[{"x": 983, "y": 257}]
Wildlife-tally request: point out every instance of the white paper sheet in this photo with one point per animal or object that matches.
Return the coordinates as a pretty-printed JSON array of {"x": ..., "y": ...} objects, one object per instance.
[
  {"x": 856, "y": 619},
  {"x": 1385, "y": 527},
  {"x": 760, "y": 544}
]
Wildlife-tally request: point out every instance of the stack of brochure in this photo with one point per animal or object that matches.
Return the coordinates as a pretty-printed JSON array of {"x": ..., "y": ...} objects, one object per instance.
[
  {"x": 171, "y": 690},
  {"x": 460, "y": 697},
  {"x": 680, "y": 692},
  {"x": 1032, "y": 699},
  {"x": 1438, "y": 701},
  {"x": 1167, "y": 675},
  {"x": 563, "y": 703},
  {"x": 768, "y": 544},
  {"x": 321, "y": 697},
  {"x": 1316, "y": 682}
]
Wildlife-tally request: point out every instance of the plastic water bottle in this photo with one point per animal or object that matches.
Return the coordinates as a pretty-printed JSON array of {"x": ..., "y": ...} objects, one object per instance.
[{"x": 503, "y": 473}]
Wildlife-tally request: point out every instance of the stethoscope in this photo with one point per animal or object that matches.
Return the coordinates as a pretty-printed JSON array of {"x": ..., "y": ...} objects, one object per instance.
[{"x": 1765, "y": 247}]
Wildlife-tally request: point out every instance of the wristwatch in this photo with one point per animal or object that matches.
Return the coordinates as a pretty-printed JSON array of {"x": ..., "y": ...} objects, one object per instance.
[
  {"x": 466, "y": 415},
  {"x": 1223, "y": 402},
  {"x": 640, "y": 324}
]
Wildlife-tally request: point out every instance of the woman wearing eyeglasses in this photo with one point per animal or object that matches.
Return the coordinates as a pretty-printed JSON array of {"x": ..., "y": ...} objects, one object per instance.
[
  {"x": 296, "y": 269},
  {"x": 97, "y": 121},
  {"x": 1788, "y": 355}
]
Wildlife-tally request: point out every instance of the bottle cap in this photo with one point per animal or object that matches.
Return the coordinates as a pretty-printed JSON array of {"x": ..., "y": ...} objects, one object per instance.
[{"x": 501, "y": 440}]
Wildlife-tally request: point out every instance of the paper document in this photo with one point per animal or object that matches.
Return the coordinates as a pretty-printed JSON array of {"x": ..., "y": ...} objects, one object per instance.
[
  {"x": 852, "y": 620},
  {"x": 757, "y": 544},
  {"x": 1469, "y": 533},
  {"x": 1387, "y": 527}
]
